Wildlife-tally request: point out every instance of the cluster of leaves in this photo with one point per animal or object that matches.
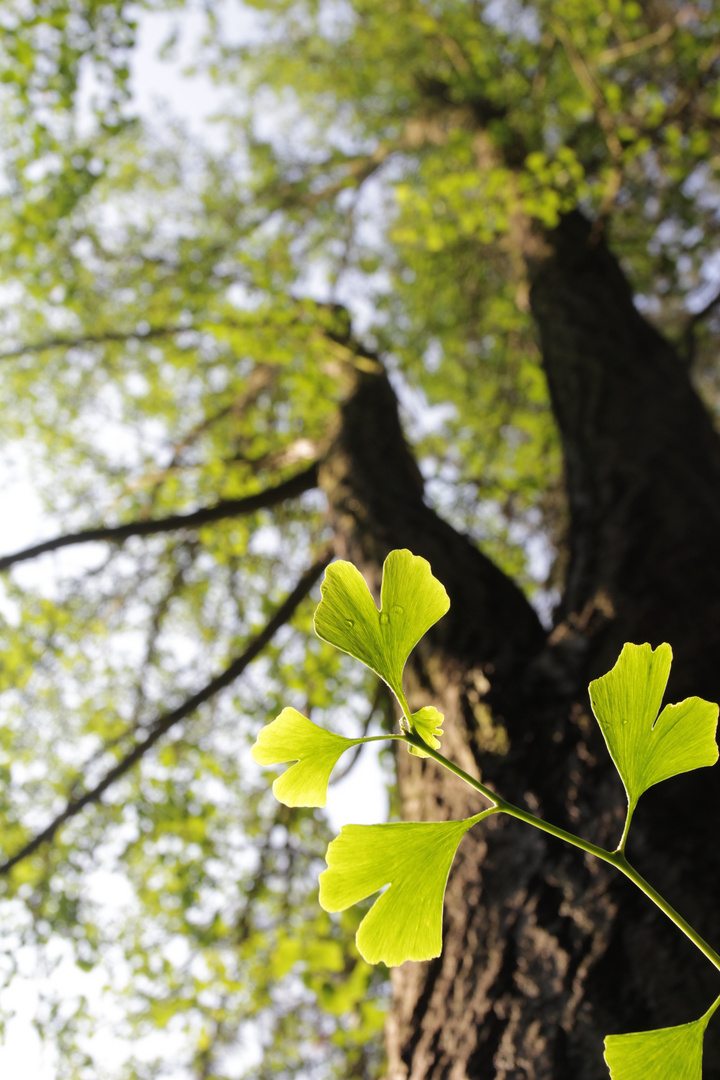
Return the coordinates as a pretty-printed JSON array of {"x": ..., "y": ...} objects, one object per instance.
[{"x": 413, "y": 859}]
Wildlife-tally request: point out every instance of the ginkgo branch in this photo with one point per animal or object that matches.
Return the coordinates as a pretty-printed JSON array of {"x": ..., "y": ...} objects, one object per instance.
[
  {"x": 163, "y": 724},
  {"x": 614, "y": 858},
  {"x": 408, "y": 862}
]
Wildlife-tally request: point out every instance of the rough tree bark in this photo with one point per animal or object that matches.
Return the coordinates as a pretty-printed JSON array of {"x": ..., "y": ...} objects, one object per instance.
[{"x": 545, "y": 952}]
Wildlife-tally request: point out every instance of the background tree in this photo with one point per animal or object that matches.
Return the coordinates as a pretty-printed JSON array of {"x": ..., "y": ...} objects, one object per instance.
[{"x": 503, "y": 215}]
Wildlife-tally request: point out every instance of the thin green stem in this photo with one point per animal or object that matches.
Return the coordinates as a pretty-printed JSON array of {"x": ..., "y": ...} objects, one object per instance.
[
  {"x": 406, "y": 714},
  {"x": 712, "y": 1009},
  {"x": 420, "y": 744},
  {"x": 555, "y": 830},
  {"x": 626, "y": 829},
  {"x": 614, "y": 858},
  {"x": 379, "y": 738},
  {"x": 485, "y": 814},
  {"x": 619, "y": 860}
]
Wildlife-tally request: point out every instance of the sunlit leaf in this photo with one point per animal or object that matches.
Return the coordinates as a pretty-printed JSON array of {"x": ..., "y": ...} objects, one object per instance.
[
  {"x": 645, "y": 747},
  {"x": 292, "y": 737},
  {"x": 673, "y": 1053},
  {"x": 426, "y": 723},
  {"x": 414, "y": 860},
  {"x": 412, "y": 600}
]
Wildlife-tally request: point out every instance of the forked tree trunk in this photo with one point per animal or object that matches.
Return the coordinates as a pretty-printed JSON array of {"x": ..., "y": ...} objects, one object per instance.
[{"x": 546, "y": 951}]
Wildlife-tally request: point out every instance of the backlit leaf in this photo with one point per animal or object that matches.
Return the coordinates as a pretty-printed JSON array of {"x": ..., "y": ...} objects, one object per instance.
[
  {"x": 645, "y": 747},
  {"x": 413, "y": 859},
  {"x": 673, "y": 1053},
  {"x": 412, "y": 600},
  {"x": 426, "y": 723},
  {"x": 292, "y": 737}
]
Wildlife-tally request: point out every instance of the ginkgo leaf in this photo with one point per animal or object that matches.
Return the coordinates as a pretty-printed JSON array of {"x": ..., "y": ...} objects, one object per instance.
[
  {"x": 426, "y": 723},
  {"x": 292, "y": 737},
  {"x": 412, "y": 600},
  {"x": 414, "y": 859},
  {"x": 645, "y": 747},
  {"x": 673, "y": 1053}
]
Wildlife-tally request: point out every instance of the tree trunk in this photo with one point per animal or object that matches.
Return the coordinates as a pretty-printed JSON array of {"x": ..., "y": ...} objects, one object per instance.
[{"x": 546, "y": 951}]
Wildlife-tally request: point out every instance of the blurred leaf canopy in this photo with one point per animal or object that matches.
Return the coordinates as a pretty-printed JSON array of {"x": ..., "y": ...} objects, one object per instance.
[{"x": 179, "y": 315}]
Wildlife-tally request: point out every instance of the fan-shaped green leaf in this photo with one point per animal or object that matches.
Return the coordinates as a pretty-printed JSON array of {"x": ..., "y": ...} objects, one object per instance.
[
  {"x": 673, "y": 1053},
  {"x": 414, "y": 859},
  {"x": 292, "y": 737},
  {"x": 426, "y": 723},
  {"x": 412, "y": 600},
  {"x": 645, "y": 747}
]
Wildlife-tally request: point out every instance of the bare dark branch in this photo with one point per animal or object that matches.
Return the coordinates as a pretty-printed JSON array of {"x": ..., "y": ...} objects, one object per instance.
[
  {"x": 164, "y": 723},
  {"x": 224, "y": 508}
]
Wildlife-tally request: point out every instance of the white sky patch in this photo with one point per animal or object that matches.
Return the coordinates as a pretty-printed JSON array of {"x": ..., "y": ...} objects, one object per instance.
[
  {"x": 361, "y": 797},
  {"x": 167, "y": 86}
]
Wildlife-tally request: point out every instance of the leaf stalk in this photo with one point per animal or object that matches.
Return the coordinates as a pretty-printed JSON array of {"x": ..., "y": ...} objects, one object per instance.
[{"x": 614, "y": 858}]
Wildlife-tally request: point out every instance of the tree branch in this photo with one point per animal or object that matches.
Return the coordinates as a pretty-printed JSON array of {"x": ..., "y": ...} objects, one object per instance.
[
  {"x": 225, "y": 508},
  {"x": 93, "y": 339},
  {"x": 168, "y": 720}
]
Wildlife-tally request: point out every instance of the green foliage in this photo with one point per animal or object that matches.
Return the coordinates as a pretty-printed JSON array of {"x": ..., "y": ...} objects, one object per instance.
[
  {"x": 413, "y": 859},
  {"x": 292, "y": 736},
  {"x": 673, "y": 1053},
  {"x": 645, "y": 747},
  {"x": 426, "y": 723},
  {"x": 411, "y": 601}
]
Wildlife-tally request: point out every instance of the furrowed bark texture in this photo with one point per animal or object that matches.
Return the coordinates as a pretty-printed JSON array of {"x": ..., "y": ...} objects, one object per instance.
[{"x": 546, "y": 951}]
